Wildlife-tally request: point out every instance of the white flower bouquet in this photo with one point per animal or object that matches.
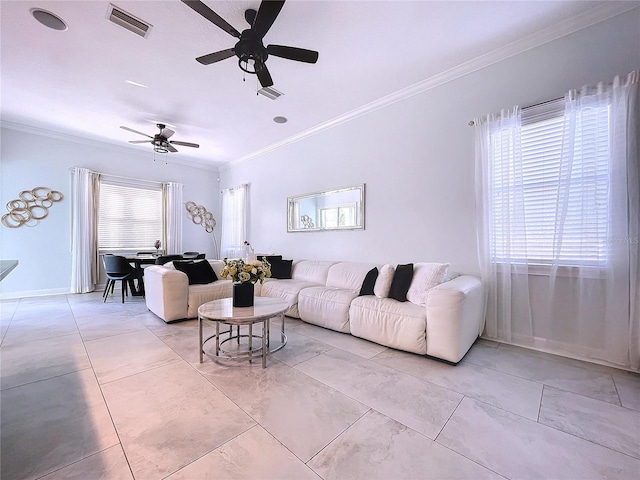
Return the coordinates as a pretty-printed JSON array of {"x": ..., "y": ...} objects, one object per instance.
[{"x": 242, "y": 272}]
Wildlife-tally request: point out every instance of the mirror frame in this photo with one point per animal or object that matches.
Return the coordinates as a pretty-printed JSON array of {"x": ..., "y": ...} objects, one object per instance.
[{"x": 291, "y": 201}]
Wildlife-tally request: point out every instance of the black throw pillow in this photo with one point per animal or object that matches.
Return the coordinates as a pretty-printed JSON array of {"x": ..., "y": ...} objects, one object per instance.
[
  {"x": 270, "y": 258},
  {"x": 401, "y": 282},
  {"x": 281, "y": 269},
  {"x": 198, "y": 273},
  {"x": 369, "y": 282}
]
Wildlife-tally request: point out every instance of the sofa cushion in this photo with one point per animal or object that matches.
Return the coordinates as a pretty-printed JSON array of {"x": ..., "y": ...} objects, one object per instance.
[
  {"x": 326, "y": 306},
  {"x": 287, "y": 290},
  {"x": 401, "y": 282},
  {"x": 314, "y": 271},
  {"x": 200, "y": 294},
  {"x": 383, "y": 282},
  {"x": 281, "y": 268},
  {"x": 400, "y": 325},
  {"x": 426, "y": 276},
  {"x": 348, "y": 275},
  {"x": 197, "y": 272},
  {"x": 369, "y": 282}
]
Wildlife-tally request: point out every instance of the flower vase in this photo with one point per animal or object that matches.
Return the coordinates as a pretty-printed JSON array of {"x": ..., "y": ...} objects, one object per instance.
[{"x": 243, "y": 294}]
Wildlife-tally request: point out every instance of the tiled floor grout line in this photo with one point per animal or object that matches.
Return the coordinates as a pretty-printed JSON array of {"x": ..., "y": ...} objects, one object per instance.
[
  {"x": 555, "y": 358},
  {"x": 212, "y": 450},
  {"x": 540, "y": 404},
  {"x": 106, "y": 404},
  {"x": 338, "y": 436},
  {"x": 552, "y": 386},
  {"x": 262, "y": 426},
  {"x": 375, "y": 358}
]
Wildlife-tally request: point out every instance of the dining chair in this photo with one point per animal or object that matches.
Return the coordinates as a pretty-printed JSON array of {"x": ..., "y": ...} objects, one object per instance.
[
  {"x": 190, "y": 255},
  {"x": 118, "y": 268}
]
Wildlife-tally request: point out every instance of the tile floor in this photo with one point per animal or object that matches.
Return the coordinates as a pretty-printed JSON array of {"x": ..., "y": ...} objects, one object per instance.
[{"x": 95, "y": 390}]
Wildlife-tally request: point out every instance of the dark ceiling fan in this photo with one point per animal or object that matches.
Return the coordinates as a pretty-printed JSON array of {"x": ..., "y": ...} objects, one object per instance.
[
  {"x": 160, "y": 141},
  {"x": 251, "y": 52}
]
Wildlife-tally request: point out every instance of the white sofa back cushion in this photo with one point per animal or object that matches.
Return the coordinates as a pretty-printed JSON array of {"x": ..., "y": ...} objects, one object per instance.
[
  {"x": 348, "y": 275},
  {"x": 425, "y": 276},
  {"x": 383, "y": 282},
  {"x": 314, "y": 271}
]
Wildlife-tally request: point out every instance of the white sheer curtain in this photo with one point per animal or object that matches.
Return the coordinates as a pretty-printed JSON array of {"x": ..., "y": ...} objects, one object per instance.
[
  {"x": 558, "y": 234},
  {"x": 234, "y": 221},
  {"x": 85, "y": 187},
  {"x": 506, "y": 281},
  {"x": 172, "y": 213}
]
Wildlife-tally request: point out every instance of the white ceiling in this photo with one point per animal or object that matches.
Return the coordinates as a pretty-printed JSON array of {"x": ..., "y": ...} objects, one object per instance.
[{"x": 73, "y": 82}]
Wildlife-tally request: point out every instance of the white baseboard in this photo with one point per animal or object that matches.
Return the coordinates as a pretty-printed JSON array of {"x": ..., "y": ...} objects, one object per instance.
[{"x": 34, "y": 293}]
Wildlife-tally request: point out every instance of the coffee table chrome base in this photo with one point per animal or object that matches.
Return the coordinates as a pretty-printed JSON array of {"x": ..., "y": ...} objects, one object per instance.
[{"x": 226, "y": 336}]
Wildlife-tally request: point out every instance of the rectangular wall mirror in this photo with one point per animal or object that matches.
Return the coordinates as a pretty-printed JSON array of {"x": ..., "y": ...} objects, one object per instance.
[{"x": 341, "y": 209}]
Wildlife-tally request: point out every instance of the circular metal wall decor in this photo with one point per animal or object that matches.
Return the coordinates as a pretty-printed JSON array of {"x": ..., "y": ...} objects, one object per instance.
[
  {"x": 30, "y": 207},
  {"x": 200, "y": 216}
]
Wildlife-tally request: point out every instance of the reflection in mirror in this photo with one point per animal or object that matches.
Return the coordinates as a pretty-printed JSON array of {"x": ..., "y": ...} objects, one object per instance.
[{"x": 341, "y": 209}]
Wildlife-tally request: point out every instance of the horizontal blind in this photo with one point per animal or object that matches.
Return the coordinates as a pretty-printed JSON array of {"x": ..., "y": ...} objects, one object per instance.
[
  {"x": 550, "y": 203},
  {"x": 130, "y": 218}
]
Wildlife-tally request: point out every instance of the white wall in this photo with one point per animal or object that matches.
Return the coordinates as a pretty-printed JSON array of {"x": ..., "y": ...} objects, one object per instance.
[
  {"x": 416, "y": 156},
  {"x": 30, "y": 160}
]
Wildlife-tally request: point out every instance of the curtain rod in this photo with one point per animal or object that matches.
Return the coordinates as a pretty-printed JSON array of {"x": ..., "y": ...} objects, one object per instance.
[
  {"x": 123, "y": 178},
  {"x": 472, "y": 123}
]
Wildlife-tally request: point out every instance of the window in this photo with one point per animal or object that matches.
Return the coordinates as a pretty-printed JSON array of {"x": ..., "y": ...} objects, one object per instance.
[
  {"x": 550, "y": 199},
  {"x": 130, "y": 217},
  {"x": 234, "y": 221},
  {"x": 340, "y": 216}
]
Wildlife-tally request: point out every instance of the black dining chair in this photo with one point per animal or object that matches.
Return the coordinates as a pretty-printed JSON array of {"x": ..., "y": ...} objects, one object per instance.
[
  {"x": 162, "y": 259},
  {"x": 190, "y": 255},
  {"x": 118, "y": 268}
]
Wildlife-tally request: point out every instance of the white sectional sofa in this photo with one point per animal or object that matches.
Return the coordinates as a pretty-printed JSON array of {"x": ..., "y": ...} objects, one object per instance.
[{"x": 442, "y": 321}]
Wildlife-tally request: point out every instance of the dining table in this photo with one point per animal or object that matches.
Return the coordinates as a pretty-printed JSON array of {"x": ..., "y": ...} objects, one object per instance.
[{"x": 138, "y": 260}]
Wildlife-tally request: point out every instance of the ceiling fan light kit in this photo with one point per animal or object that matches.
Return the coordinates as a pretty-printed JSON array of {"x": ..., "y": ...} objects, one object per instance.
[
  {"x": 160, "y": 141},
  {"x": 251, "y": 52}
]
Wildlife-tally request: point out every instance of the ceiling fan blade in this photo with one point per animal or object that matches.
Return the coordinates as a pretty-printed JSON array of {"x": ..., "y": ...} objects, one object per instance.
[
  {"x": 166, "y": 132},
  {"x": 212, "y": 16},
  {"x": 135, "y": 131},
  {"x": 264, "y": 76},
  {"x": 293, "y": 53},
  {"x": 140, "y": 141},
  {"x": 250, "y": 16},
  {"x": 170, "y": 147},
  {"x": 267, "y": 14},
  {"x": 216, "y": 56},
  {"x": 184, "y": 144}
]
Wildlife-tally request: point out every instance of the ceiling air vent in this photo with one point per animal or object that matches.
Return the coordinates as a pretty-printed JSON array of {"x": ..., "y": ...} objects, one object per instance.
[
  {"x": 128, "y": 21},
  {"x": 270, "y": 92}
]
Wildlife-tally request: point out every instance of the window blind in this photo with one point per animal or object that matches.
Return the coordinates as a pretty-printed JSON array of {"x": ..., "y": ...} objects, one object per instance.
[
  {"x": 550, "y": 196},
  {"x": 130, "y": 217}
]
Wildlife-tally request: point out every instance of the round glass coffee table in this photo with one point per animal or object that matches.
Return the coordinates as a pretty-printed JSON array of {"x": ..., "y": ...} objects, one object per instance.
[{"x": 223, "y": 312}]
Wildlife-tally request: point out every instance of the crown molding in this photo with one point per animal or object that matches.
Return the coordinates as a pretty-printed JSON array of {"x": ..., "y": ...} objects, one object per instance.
[
  {"x": 43, "y": 132},
  {"x": 584, "y": 20}
]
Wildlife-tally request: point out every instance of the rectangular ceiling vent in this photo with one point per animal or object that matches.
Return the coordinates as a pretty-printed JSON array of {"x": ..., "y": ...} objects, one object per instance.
[
  {"x": 271, "y": 93},
  {"x": 128, "y": 21}
]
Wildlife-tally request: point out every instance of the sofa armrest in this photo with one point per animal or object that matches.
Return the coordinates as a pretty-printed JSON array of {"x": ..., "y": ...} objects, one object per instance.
[
  {"x": 455, "y": 317},
  {"x": 166, "y": 292}
]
